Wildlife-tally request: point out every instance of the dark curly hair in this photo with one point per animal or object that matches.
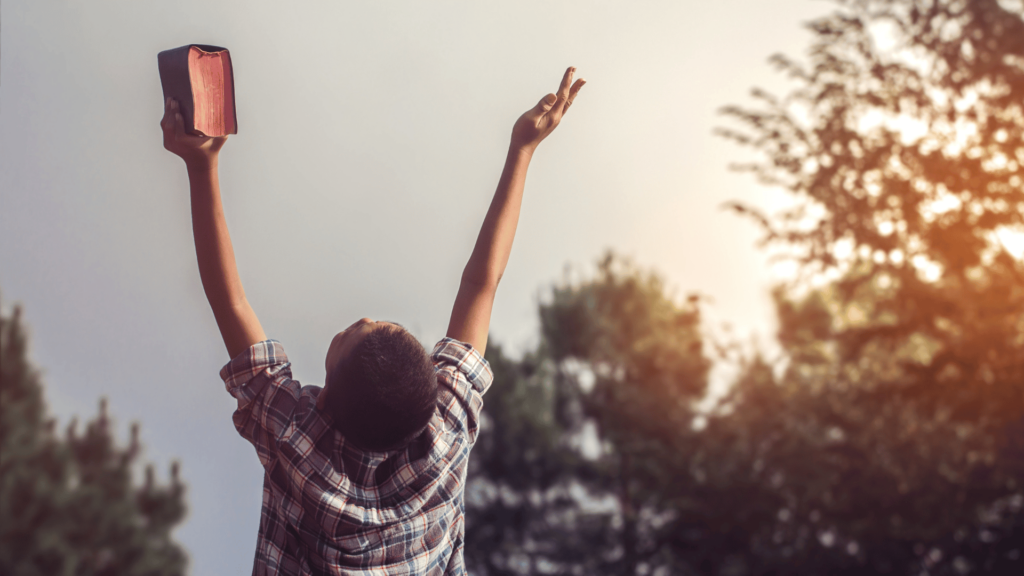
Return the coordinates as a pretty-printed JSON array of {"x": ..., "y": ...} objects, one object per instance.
[{"x": 384, "y": 393}]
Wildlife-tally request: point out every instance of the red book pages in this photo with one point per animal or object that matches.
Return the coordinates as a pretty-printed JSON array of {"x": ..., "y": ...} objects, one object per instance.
[
  {"x": 212, "y": 91},
  {"x": 201, "y": 79}
]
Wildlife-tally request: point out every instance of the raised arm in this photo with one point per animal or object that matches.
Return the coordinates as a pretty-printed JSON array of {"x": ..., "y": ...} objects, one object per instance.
[
  {"x": 471, "y": 315},
  {"x": 237, "y": 322}
]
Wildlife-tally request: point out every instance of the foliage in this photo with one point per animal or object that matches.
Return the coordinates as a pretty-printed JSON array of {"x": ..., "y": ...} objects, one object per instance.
[
  {"x": 610, "y": 363},
  {"x": 68, "y": 505},
  {"x": 644, "y": 353},
  {"x": 526, "y": 478},
  {"x": 889, "y": 438},
  {"x": 906, "y": 162},
  {"x": 903, "y": 147}
]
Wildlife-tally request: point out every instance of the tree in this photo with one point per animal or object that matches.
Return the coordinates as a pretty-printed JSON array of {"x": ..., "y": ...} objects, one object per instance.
[
  {"x": 644, "y": 352},
  {"x": 903, "y": 149},
  {"x": 524, "y": 513},
  {"x": 68, "y": 505},
  {"x": 619, "y": 357}
]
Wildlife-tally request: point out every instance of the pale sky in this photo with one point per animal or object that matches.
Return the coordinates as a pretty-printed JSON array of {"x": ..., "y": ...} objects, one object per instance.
[{"x": 371, "y": 137}]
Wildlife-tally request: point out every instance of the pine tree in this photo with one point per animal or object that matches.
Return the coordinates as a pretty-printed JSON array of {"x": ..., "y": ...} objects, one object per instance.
[{"x": 68, "y": 505}]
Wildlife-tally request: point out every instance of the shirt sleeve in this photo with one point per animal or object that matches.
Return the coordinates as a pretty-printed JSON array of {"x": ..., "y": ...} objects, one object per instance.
[
  {"x": 260, "y": 379},
  {"x": 465, "y": 377}
]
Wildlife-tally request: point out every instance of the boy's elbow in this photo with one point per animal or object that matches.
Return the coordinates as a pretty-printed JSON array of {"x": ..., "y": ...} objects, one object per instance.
[
  {"x": 481, "y": 281},
  {"x": 221, "y": 299}
]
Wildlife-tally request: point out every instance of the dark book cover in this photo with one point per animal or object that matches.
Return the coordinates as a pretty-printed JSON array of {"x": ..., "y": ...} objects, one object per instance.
[{"x": 201, "y": 79}]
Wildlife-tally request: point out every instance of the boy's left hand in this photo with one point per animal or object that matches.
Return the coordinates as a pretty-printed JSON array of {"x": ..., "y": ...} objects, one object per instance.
[
  {"x": 536, "y": 123},
  {"x": 196, "y": 151}
]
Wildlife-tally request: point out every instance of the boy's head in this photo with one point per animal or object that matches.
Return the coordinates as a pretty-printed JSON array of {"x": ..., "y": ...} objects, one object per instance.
[{"x": 381, "y": 389}]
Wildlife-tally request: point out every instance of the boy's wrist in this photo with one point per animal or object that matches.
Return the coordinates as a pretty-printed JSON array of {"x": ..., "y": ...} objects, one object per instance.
[
  {"x": 199, "y": 165},
  {"x": 524, "y": 151}
]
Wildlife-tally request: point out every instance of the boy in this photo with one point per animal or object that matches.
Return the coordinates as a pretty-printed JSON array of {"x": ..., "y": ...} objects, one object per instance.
[{"x": 365, "y": 475}]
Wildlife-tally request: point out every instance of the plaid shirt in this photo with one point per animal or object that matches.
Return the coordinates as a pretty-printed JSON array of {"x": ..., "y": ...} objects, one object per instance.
[{"x": 330, "y": 508}]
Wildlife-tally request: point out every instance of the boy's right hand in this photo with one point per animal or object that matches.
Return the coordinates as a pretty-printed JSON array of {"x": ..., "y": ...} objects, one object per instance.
[
  {"x": 196, "y": 151},
  {"x": 536, "y": 123}
]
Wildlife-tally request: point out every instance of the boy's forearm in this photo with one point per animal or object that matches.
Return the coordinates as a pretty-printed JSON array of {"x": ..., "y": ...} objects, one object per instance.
[
  {"x": 494, "y": 244},
  {"x": 214, "y": 253}
]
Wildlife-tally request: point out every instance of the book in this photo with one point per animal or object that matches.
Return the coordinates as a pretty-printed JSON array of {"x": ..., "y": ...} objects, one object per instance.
[{"x": 200, "y": 78}]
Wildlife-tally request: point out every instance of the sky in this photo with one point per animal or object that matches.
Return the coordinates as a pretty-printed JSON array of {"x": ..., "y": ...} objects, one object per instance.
[{"x": 371, "y": 137}]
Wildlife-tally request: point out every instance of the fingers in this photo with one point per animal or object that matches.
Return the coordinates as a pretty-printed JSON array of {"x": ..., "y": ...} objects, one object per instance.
[
  {"x": 572, "y": 93},
  {"x": 179, "y": 122},
  {"x": 566, "y": 92},
  {"x": 174, "y": 122},
  {"x": 546, "y": 103},
  {"x": 167, "y": 124},
  {"x": 562, "y": 94},
  {"x": 168, "y": 118},
  {"x": 563, "y": 88}
]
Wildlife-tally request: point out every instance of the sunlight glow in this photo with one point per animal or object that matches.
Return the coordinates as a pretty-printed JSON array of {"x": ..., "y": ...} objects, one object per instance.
[
  {"x": 928, "y": 271},
  {"x": 910, "y": 130},
  {"x": 1012, "y": 241},
  {"x": 942, "y": 203},
  {"x": 842, "y": 249}
]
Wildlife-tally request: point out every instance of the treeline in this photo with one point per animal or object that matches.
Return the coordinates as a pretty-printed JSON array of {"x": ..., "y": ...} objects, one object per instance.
[
  {"x": 68, "y": 503},
  {"x": 889, "y": 438}
]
